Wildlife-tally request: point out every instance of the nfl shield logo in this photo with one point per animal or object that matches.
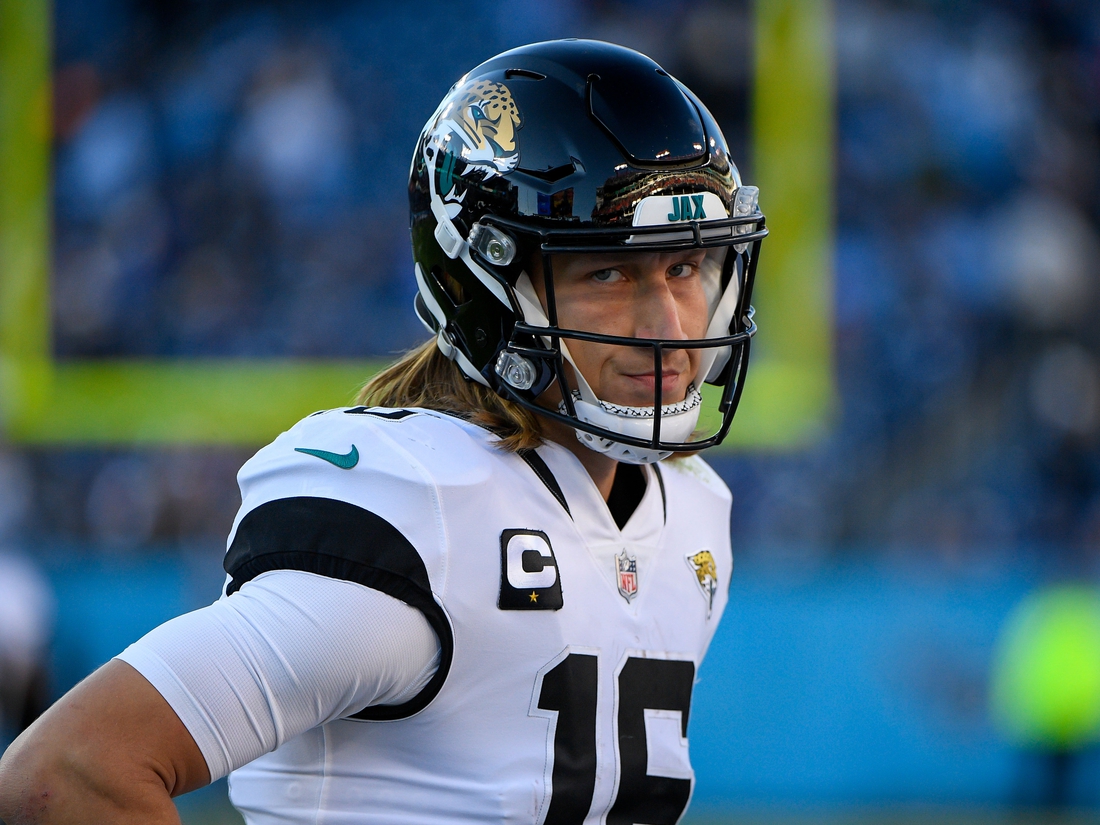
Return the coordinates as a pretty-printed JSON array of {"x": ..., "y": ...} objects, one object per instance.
[{"x": 627, "y": 567}]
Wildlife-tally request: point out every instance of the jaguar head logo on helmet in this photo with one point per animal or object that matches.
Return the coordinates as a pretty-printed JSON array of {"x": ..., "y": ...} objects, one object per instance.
[
  {"x": 481, "y": 115},
  {"x": 565, "y": 156}
]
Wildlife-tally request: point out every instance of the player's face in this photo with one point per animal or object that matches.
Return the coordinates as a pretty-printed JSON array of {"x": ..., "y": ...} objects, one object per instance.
[{"x": 635, "y": 295}]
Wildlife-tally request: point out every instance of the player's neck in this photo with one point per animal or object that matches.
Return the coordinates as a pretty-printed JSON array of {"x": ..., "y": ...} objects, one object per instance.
[{"x": 599, "y": 466}]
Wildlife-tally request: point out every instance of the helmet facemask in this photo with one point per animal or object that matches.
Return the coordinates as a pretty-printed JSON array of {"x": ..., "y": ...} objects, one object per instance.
[{"x": 538, "y": 352}]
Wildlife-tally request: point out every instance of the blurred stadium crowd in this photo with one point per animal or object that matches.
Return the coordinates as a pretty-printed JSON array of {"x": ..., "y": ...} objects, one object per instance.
[
  {"x": 966, "y": 274},
  {"x": 230, "y": 179}
]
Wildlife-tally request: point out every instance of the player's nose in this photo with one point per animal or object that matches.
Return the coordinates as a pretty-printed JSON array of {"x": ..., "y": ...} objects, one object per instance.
[{"x": 656, "y": 311}]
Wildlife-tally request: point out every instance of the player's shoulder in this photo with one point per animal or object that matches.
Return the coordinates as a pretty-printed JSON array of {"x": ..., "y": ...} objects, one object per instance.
[
  {"x": 409, "y": 444},
  {"x": 693, "y": 477},
  {"x": 407, "y": 425}
]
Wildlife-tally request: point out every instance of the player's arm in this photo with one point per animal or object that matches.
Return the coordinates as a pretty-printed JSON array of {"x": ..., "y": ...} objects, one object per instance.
[
  {"x": 110, "y": 751},
  {"x": 210, "y": 691}
]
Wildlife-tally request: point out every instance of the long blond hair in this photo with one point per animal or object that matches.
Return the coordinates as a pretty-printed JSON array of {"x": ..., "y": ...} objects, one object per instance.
[{"x": 424, "y": 377}]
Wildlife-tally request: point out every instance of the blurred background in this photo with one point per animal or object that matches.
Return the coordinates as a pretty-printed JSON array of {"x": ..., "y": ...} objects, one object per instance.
[{"x": 913, "y": 629}]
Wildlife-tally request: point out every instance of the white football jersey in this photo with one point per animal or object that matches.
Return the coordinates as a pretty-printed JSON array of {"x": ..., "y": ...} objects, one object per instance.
[{"x": 569, "y": 646}]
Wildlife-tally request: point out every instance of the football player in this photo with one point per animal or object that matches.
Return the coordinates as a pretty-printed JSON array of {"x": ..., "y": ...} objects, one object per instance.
[{"x": 483, "y": 594}]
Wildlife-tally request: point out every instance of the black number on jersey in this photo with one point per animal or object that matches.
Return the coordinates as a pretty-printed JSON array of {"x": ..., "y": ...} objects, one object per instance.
[
  {"x": 649, "y": 684},
  {"x": 569, "y": 688}
]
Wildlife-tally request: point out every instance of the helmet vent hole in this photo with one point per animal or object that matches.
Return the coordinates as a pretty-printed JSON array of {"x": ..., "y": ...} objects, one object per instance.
[{"x": 526, "y": 73}]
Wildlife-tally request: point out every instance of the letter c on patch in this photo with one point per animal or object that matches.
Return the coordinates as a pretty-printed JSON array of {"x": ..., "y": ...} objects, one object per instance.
[{"x": 530, "y": 562}]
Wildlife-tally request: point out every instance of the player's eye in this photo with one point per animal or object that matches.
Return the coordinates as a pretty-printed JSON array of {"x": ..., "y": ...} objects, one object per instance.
[
  {"x": 605, "y": 276},
  {"x": 680, "y": 270}
]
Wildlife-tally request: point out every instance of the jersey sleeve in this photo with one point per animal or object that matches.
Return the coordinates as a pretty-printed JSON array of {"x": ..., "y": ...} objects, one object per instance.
[
  {"x": 353, "y": 495},
  {"x": 288, "y": 651}
]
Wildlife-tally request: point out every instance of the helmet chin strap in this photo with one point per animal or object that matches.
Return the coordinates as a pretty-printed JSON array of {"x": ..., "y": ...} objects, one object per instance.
[
  {"x": 678, "y": 420},
  {"x": 677, "y": 424}
]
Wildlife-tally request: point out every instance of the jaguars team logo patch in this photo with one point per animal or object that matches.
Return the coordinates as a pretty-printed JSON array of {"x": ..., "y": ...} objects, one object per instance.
[
  {"x": 627, "y": 569},
  {"x": 529, "y": 577},
  {"x": 706, "y": 575}
]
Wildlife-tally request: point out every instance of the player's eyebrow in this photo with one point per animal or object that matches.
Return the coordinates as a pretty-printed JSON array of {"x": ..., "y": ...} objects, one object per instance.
[
  {"x": 632, "y": 261},
  {"x": 583, "y": 266}
]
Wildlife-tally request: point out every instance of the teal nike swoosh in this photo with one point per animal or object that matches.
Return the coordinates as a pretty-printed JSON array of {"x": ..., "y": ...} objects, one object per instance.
[{"x": 344, "y": 462}]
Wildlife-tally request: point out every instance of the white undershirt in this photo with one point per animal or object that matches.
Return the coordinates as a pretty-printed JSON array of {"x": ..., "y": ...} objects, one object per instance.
[{"x": 285, "y": 653}]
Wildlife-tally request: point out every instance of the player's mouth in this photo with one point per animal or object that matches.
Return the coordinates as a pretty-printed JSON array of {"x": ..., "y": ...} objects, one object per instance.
[{"x": 673, "y": 384}]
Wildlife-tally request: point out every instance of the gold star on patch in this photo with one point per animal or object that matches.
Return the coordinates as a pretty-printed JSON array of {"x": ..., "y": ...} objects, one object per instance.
[{"x": 534, "y": 596}]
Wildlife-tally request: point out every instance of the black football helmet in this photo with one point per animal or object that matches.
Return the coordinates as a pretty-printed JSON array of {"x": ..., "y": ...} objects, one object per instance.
[{"x": 578, "y": 146}]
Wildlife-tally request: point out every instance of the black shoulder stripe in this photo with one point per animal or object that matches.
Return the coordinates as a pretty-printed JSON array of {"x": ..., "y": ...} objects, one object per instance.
[
  {"x": 535, "y": 462},
  {"x": 392, "y": 415},
  {"x": 661, "y": 484},
  {"x": 339, "y": 540}
]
